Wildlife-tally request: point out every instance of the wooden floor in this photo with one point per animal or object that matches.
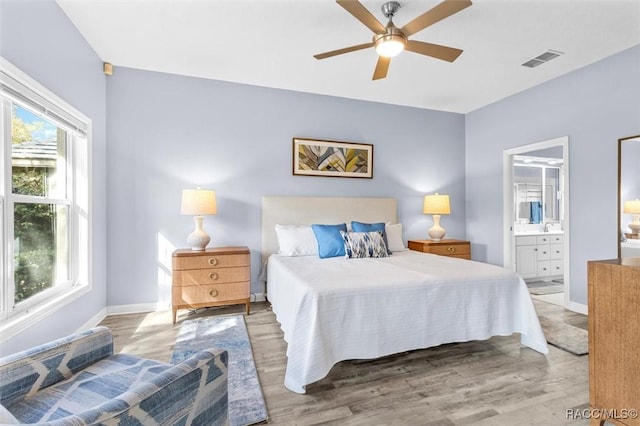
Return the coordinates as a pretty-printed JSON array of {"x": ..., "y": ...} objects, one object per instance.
[{"x": 492, "y": 382}]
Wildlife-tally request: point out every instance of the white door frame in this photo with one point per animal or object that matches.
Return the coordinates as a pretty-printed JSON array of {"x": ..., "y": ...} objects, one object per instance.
[{"x": 508, "y": 213}]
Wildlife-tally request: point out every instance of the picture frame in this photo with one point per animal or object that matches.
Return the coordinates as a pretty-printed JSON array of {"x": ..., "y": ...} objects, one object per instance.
[{"x": 316, "y": 157}]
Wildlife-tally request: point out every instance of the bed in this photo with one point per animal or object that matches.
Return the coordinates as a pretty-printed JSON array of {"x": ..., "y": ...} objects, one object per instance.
[{"x": 337, "y": 309}]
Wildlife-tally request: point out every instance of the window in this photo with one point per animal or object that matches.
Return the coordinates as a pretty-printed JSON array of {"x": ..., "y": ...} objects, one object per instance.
[{"x": 43, "y": 201}]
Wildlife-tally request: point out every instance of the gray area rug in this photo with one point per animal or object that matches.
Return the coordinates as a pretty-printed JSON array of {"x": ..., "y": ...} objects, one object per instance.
[
  {"x": 565, "y": 336},
  {"x": 246, "y": 401},
  {"x": 543, "y": 287}
]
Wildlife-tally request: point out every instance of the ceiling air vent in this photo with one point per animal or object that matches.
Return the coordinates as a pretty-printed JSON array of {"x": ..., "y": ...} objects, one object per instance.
[{"x": 541, "y": 59}]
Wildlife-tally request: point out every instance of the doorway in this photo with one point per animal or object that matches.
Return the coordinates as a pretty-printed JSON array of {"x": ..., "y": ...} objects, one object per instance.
[{"x": 536, "y": 217}]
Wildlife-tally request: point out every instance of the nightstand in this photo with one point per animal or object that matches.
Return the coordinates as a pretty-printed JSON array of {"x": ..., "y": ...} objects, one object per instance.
[
  {"x": 451, "y": 248},
  {"x": 213, "y": 277}
]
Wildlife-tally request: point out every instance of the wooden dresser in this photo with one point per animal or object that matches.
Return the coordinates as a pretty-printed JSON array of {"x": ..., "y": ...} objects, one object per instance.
[
  {"x": 614, "y": 341},
  {"x": 213, "y": 277},
  {"x": 451, "y": 248}
]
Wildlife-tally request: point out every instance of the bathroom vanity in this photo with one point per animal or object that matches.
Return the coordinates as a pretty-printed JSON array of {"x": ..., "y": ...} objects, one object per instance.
[{"x": 540, "y": 255}]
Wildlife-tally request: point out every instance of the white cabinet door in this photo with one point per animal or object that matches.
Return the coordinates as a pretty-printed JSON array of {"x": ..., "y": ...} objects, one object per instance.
[{"x": 526, "y": 261}]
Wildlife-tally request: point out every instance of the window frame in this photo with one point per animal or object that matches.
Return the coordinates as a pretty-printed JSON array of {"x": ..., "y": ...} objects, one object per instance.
[{"x": 15, "y": 84}]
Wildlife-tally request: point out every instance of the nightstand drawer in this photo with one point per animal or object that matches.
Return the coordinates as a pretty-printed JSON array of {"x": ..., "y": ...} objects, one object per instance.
[
  {"x": 211, "y": 276},
  {"x": 202, "y": 294},
  {"x": 216, "y": 276},
  {"x": 450, "y": 250},
  {"x": 448, "y": 247},
  {"x": 208, "y": 261}
]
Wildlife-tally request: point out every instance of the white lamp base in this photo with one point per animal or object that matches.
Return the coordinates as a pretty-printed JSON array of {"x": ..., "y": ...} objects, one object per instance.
[
  {"x": 436, "y": 232},
  {"x": 635, "y": 225},
  {"x": 198, "y": 239}
]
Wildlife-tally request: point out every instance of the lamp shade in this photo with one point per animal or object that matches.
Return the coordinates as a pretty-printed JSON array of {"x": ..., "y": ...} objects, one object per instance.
[
  {"x": 632, "y": 207},
  {"x": 436, "y": 204},
  {"x": 198, "y": 202}
]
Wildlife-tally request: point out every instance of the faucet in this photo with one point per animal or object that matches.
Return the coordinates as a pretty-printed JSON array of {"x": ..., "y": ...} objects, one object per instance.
[{"x": 547, "y": 225}]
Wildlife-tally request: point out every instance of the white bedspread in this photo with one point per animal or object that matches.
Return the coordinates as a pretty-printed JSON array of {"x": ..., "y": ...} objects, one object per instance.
[{"x": 337, "y": 309}]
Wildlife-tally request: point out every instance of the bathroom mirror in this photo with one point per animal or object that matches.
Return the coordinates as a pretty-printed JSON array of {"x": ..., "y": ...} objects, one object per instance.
[
  {"x": 628, "y": 191},
  {"x": 537, "y": 189}
]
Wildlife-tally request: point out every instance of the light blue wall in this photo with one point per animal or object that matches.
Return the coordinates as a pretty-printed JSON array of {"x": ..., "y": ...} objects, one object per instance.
[
  {"x": 168, "y": 132},
  {"x": 37, "y": 37},
  {"x": 594, "y": 106}
]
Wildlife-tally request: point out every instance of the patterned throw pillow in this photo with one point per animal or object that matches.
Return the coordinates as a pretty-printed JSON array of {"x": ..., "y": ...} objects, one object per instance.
[{"x": 364, "y": 244}]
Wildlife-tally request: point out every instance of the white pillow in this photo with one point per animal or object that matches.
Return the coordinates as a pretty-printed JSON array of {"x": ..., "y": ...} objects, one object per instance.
[
  {"x": 6, "y": 418},
  {"x": 295, "y": 240},
  {"x": 394, "y": 237}
]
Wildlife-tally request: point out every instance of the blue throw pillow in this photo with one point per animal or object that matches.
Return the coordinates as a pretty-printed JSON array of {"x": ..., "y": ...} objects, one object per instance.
[
  {"x": 370, "y": 227},
  {"x": 330, "y": 242}
]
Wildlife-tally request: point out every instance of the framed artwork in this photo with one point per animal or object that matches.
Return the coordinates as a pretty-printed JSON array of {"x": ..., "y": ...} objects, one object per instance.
[{"x": 333, "y": 159}]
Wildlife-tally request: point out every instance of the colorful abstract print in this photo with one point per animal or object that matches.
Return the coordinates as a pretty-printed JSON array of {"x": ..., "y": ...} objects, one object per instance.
[
  {"x": 364, "y": 244},
  {"x": 332, "y": 159}
]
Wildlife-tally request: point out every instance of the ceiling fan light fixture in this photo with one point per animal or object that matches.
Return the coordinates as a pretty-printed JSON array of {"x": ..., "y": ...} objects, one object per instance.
[{"x": 390, "y": 45}]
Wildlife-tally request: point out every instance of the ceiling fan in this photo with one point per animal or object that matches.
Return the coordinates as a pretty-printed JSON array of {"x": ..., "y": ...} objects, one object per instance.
[{"x": 390, "y": 40}]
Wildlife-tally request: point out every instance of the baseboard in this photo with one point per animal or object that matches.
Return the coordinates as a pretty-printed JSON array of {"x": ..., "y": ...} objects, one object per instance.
[
  {"x": 258, "y": 297},
  {"x": 578, "y": 307},
  {"x": 94, "y": 320},
  {"x": 137, "y": 308},
  {"x": 159, "y": 306}
]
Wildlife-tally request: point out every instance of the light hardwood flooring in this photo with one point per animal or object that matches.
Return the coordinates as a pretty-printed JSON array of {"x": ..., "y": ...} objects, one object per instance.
[{"x": 492, "y": 382}]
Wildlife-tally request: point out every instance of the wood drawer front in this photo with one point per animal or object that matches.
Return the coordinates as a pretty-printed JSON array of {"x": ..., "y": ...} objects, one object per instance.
[
  {"x": 201, "y": 294},
  {"x": 210, "y": 261},
  {"x": 211, "y": 276},
  {"x": 457, "y": 250},
  {"x": 462, "y": 256}
]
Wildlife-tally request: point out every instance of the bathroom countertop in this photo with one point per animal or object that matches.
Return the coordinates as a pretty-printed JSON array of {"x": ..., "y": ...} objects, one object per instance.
[{"x": 536, "y": 233}]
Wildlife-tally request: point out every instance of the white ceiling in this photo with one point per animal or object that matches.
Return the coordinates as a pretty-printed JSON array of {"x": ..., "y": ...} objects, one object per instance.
[{"x": 272, "y": 42}]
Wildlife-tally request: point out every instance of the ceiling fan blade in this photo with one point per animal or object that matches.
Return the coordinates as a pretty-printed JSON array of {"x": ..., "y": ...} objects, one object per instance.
[
  {"x": 361, "y": 13},
  {"x": 437, "y": 51},
  {"x": 381, "y": 68},
  {"x": 436, "y": 14},
  {"x": 341, "y": 51}
]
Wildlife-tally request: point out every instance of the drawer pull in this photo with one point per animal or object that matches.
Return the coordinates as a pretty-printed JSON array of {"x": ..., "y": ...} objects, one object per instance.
[
  {"x": 213, "y": 293},
  {"x": 213, "y": 261},
  {"x": 213, "y": 275},
  {"x": 451, "y": 249}
]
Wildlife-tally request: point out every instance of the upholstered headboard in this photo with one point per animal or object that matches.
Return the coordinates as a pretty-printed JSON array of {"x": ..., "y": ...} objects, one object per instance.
[{"x": 328, "y": 210}]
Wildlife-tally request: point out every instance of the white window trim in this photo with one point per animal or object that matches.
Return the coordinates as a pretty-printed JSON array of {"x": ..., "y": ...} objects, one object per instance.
[{"x": 19, "y": 322}]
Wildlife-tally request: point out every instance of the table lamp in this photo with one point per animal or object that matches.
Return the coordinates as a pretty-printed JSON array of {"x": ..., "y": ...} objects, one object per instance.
[
  {"x": 436, "y": 205},
  {"x": 198, "y": 202},
  {"x": 633, "y": 207}
]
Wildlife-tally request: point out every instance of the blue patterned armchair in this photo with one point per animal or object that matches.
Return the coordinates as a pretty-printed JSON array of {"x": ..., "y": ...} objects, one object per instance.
[{"x": 78, "y": 380}]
